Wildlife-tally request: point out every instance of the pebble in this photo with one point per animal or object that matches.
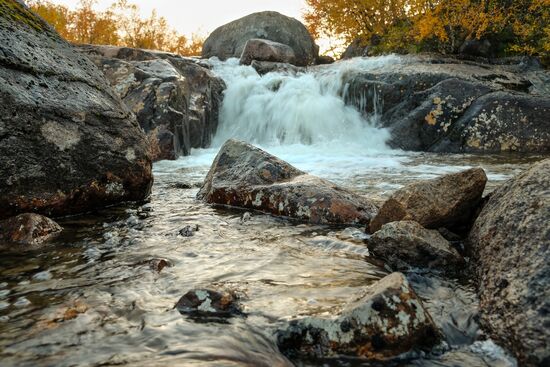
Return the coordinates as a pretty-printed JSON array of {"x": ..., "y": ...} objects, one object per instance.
[
  {"x": 22, "y": 302},
  {"x": 4, "y": 305},
  {"x": 43, "y": 275}
]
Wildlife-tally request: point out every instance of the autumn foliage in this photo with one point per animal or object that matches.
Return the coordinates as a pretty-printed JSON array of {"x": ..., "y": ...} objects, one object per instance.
[
  {"x": 511, "y": 26},
  {"x": 119, "y": 25}
]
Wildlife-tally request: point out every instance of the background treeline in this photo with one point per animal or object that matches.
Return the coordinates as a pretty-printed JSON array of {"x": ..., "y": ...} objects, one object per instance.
[
  {"x": 119, "y": 25},
  {"x": 404, "y": 26}
]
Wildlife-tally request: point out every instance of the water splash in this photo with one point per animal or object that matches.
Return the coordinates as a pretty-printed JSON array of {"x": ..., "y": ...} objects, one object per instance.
[{"x": 283, "y": 109}]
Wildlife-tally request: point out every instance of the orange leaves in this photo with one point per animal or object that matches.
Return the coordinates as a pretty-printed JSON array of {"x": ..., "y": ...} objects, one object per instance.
[{"x": 119, "y": 25}]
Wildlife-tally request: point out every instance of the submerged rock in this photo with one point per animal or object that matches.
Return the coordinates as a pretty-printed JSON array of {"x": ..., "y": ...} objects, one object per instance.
[
  {"x": 176, "y": 99},
  {"x": 158, "y": 264},
  {"x": 443, "y": 104},
  {"x": 208, "y": 303},
  {"x": 230, "y": 39},
  {"x": 387, "y": 321},
  {"x": 406, "y": 244},
  {"x": 67, "y": 143},
  {"x": 265, "y": 50},
  {"x": 447, "y": 201},
  {"x": 27, "y": 229},
  {"x": 247, "y": 177},
  {"x": 264, "y": 67},
  {"x": 509, "y": 244}
]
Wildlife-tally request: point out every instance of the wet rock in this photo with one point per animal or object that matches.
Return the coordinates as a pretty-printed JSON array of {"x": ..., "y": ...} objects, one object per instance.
[
  {"x": 447, "y": 201},
  {"x": 208, "y": 303},
  {"x": 247, "y": 177},
  {"x": 176, "y": 99},
  {"x": 265, "y": 50},
  {"x": 28, "y": 229},
  {"x": 325, "y": 60},
  {"x": 357, "y": 48},
  {"x": 189, "y": 231},
  {"x": 387, "y": 321},
  {"x": 264, "y": 67},
  {"x": 445, "y": 104},
  {"x": 509, "y": 244},
  {"x": 230, "y": 39},
  {"x": 406, "y": 244},
  {"x": 67, "y": 143},
  {"x": 159, "y": 264}
]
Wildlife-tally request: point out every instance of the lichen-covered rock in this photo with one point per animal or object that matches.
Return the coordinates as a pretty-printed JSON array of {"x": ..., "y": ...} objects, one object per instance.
[
  {"x": 510, "y": 242},
  {"x": 230, "y": 39},
  {"x": 447, "y": 201},
  {"x": 176, "y": 99},
  {"x": 208, "y": 303},
  {"x": 265, "y": 50},
  {"x": 443, "y": 104},
  {"x": 406, "y": 244},
  {"x": 67, "y": 143},
  {"x": 27, "y": 229},
  {"x": 247, "y": 177},
  {"x": 389, "y": 319}
]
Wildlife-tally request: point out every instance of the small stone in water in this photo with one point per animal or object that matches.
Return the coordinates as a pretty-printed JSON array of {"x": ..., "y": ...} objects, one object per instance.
[
  {"x": 207, "y": 302},
  {"x": 4, "y": 305},
  {"x": 158, "y": 264},
  {"x": 4, "y": 318},
  {"x": 4, "y": 293},
  {"x": 22, "y": 302},
  {"x": 189, "y": 231},
  {"x": 246, "y": 217},
  {"x": 43, "y": 275},
  {"x": 3, "y": 285}
]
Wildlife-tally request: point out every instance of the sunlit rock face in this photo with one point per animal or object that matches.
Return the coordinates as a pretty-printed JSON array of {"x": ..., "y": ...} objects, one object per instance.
[
  {"x": 406, "y": 244},
  {"x": 389, "y": 319},
  {"x": 441, "y": 104},
  {"x": 176, "y": 99},
  {"x": 230, "y": 39},
  {"x": 247, "y": 177},
  {"x": 509, "y": 244},
  {"x": 67, "y": 143},
  {"x": 265, "y": 50},
  {"x": 27, "y": 230},
  {"x": 448, "y": 201}
]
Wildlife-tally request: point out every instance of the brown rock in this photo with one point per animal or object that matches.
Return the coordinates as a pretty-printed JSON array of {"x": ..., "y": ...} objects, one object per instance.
[
  {"x": 447, "y": 201},
  {"x": 28, "y": 229},
  {"x": 406, "y": 244},
  {"x": 389, "y": 319},
  {"x": 265, "y": 50},
  {"x": 510, "y": 249},
  {"x": 208, "y": 302},
  {"x": 247, "y": 177}
]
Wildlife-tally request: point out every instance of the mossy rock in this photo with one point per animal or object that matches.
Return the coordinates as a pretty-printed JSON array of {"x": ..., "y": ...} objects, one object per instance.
[{"x": 16, "y": 12}]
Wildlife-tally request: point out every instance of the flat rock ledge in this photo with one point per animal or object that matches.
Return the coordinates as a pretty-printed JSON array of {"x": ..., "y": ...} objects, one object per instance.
[
  {"x": 387, "y": 321},
  {"x": 247, "y": 177}
]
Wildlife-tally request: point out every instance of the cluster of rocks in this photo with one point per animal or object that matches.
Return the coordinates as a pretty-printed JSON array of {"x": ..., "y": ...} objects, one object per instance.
[
  {"x": 415, "y": 228},
  {"x": 176, "y": 100}
]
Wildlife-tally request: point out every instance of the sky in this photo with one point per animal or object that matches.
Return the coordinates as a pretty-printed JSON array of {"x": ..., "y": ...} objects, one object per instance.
[{"x": 203, "y": 16}]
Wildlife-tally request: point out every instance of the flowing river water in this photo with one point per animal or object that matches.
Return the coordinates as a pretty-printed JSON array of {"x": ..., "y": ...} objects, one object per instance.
[{"x": 91, "y": 298}]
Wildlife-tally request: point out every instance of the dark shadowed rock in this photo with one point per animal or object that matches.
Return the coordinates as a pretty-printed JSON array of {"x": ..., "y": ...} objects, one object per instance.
[
  {"x": 447, "y": 201},
  {"x": 357, "y": 48},
  {"x": 158, "y": 264},
  {"x": 406, "y": 244},
  {"x": 176, "y": 99},
  {"x": 265, "y": 50},
  {"x": 27, "y": 229},
  {"x": 230, "y": 39},
  {"x": 208, "y": 303},
  {"x": 247, "y": 177},
  {"x": 477, "y": 47},
  {"x": 389, "y": 319},
  {"x": 443, "y": 104},
  {"x": 510, "y": 249},
  {"x": 67, "y": 143}
]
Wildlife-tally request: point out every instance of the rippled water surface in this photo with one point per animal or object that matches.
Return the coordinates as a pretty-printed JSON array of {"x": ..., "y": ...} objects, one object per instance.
[{"x": 91, "y": 298}]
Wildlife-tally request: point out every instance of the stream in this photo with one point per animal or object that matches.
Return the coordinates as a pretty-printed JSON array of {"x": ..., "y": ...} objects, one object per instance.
[{"x": 90, "y": 298}]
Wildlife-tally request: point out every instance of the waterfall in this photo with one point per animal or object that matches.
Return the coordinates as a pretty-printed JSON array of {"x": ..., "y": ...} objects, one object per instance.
[{"x": 281, "y": 109}]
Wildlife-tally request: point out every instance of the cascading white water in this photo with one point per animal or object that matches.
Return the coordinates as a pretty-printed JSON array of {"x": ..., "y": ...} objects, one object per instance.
[{"x": 279, "y": 109}]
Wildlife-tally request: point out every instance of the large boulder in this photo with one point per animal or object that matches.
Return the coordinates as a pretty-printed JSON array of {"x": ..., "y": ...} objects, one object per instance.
[
  {"x": 447, "y": 201},
  {"x": 510, "y": 249},
  {"x": 265, "y": 50},
  {"x": 442, "y": 104},
  {"x": 230, "y": 39},
  {"x": 67, "y": 143},
  {"x": 406, "y": 244},
  {"x": 176, "y": 99},
  {"x": 247, "y": 177},
  {"x": 27, "y": 229},
  {"x": 389, "y": 319}
]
